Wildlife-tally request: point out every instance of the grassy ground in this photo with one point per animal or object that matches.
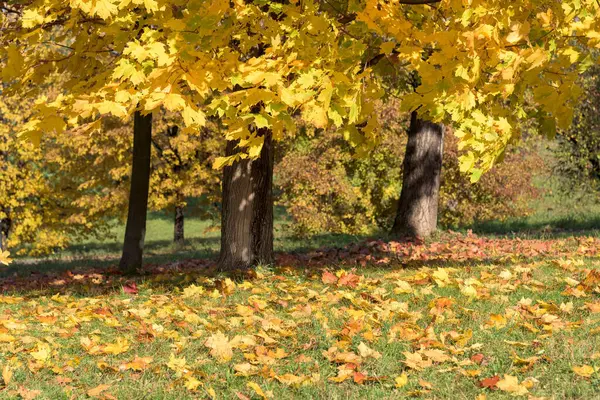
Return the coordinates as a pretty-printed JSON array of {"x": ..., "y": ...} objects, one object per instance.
[
  {"x": 425, "y": 327},
  {"x": 461, "y": 318}
]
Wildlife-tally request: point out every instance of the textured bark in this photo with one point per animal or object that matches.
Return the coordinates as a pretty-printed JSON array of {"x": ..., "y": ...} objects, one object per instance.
[
  {"x": 178, "y": 236},
  {"x": 418, "y": 206},
  {"x": 133, "y": 246},
  {"x": 247, "y": 210}
]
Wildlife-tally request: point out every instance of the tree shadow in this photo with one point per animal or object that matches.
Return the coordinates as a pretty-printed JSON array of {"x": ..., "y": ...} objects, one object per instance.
[
  {"x": 556, "y": 228},
  {"x": 93, "y": 276}
]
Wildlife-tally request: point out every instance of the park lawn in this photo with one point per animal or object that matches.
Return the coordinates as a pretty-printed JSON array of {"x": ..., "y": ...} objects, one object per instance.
[{"x": 459, "y": 318}]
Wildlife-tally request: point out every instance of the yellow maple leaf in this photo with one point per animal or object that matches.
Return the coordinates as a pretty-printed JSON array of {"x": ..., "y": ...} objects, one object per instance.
[
  {"x": 7, "y": 374},
  {"x": 220, "y": 347},
  {"x": 42, "y": 353},
  {"x": 191, "y": 383},
  {"x": 401, "y": 380},
  {"x": 96, "y": 392},
  {"x": 585, "y": 370},
  {"x": 254, "y": 386},
  {"x": 365, "y": 351},
  {"x": 120, "y": 346},
  {"x": 178, "y": 365},
  {"x": 5, "y": 257},
  {"x": 511, "y": 384}
]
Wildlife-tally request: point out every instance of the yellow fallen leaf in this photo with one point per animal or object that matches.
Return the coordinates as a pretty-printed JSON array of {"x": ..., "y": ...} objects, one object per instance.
[
  {"x": 138, "y": 364},
  {"x": 95, "y": 392},
  {"x": 416, "y": 361},
  {"x": 366, "y": 352},
  {"x": 511, "y": 384},
  {"x": 401, "y": 380},
  {"x": 468, "y": 291},
  {"x": 120, "y": 346},
  {"x": 42, "y": 353},
  {"x": 7, "y": 374},
  {"x": 585, "y": 370},
  {"x": 179, "y": 365},
  {"x": 220, "y": 347},
  {"x": 436, "y": 355},
  {"x": 257, "y": 389},
  {"x": 191, "y": 383},
  {"x": 5, "y": 257},
  {"x": 245, "y": 369}
]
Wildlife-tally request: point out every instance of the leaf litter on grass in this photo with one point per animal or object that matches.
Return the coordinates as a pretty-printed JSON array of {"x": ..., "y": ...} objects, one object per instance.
[{"x": 489, "y": 316}]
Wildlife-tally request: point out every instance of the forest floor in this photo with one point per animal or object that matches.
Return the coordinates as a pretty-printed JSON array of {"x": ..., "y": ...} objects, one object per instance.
[{"x": 510, "y": 310}]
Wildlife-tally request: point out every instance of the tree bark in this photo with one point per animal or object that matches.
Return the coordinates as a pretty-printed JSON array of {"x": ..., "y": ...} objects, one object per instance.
[
  {"x": 133, "y": 246},
  {"x": 247, "y": 209},
  {"x": 418, "y": 206},
  {"x": 178, "y": 236}
]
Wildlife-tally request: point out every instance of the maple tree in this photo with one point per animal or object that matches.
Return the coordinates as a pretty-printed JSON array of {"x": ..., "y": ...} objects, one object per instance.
[{"x": 481, "y": 66}]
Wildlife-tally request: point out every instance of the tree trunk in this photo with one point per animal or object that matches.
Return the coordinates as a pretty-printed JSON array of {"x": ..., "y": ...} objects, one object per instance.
[
  {"x": 5, "y": 225},
  {"x": 178, "y": 237},
  {"x": 133, "y": 246},
  {"x": 247, "y": 209},
  {"x": 418, "y": 206}
]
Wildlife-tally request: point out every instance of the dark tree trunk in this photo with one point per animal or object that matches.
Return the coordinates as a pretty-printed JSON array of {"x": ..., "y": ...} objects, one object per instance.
[
  {"x": 5, "y": 225},
  {"x": 178, "y": 237},
  {"x": 247, "y": 209},
  {"x": 418, "y": 206},
  {"x": 133, "y": 246}
]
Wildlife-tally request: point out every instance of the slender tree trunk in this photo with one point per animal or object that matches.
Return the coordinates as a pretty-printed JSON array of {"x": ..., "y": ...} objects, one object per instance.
[
  {"x": 133, "y": 246},
  {"x": 179, "y": 237},
  {"x": 418, "y": 206},
  {"x": 247, "y": 209},
  {"x": 5, "y": 225}
]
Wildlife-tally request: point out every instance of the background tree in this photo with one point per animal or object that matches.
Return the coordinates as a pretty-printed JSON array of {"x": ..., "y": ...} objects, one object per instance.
[{"x": 578, "y": 148}]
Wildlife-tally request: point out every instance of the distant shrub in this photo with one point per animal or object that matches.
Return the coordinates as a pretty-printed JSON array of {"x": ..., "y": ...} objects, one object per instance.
[{"x": 325, "y": 189}]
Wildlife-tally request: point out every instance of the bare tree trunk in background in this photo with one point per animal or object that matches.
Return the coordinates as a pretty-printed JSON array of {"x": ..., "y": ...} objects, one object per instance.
[
  {"x": 5, "y": 225},
  {"x": 247, "y": 209},
  {"x": 418, "y": 206},
  {"x": 133, "y": 246},
  {"x": 178, "y": 236}
]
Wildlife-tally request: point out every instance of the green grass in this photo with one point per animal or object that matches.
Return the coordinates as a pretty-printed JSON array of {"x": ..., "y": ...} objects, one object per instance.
[
  {"x": 554, "y": 214},
  {"x": 291, "y": 311}
]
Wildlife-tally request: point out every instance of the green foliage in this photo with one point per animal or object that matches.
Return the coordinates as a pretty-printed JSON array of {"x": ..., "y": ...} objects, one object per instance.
[
  {"x": 324, "y": 188},
  {"x": 578, "y": 149}
]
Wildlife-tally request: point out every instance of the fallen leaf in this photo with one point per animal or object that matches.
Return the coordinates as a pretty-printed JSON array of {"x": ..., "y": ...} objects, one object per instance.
[
  {"x": 401, "y": 380},
  {"x": 585, "y": 370},
  {"x": 95, "y": 392},
  {"x": 130, "y": 288},
  {"x": 511, "y": 384},
  {"x": 254, "y": 386},
  {"x": 27, "y": 394},
  {"x": 220, "y": 347},
  {"x": 328, "y": 278},
  {"x": 366, "y": 352},
  {"x": 7, "y": 374},
  {"x": 489, "y": 383}
]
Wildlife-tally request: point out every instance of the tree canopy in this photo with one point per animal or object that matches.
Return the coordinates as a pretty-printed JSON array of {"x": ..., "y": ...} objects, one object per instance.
[{"x": 483, "y": 65}]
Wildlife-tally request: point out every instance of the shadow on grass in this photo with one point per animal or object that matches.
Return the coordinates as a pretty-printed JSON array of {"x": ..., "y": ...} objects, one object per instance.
[
  {"x": 106, "y": 255},
  {"x": 557, "y": 228}
]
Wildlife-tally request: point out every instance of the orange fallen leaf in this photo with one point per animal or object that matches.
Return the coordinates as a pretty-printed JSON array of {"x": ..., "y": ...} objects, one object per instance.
[
  {"x": 27, "y": 394},
  {"x": 328, "y": 278},
  {"x": 95, "y": 392},
  {"x": 489, "y": 383}
]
